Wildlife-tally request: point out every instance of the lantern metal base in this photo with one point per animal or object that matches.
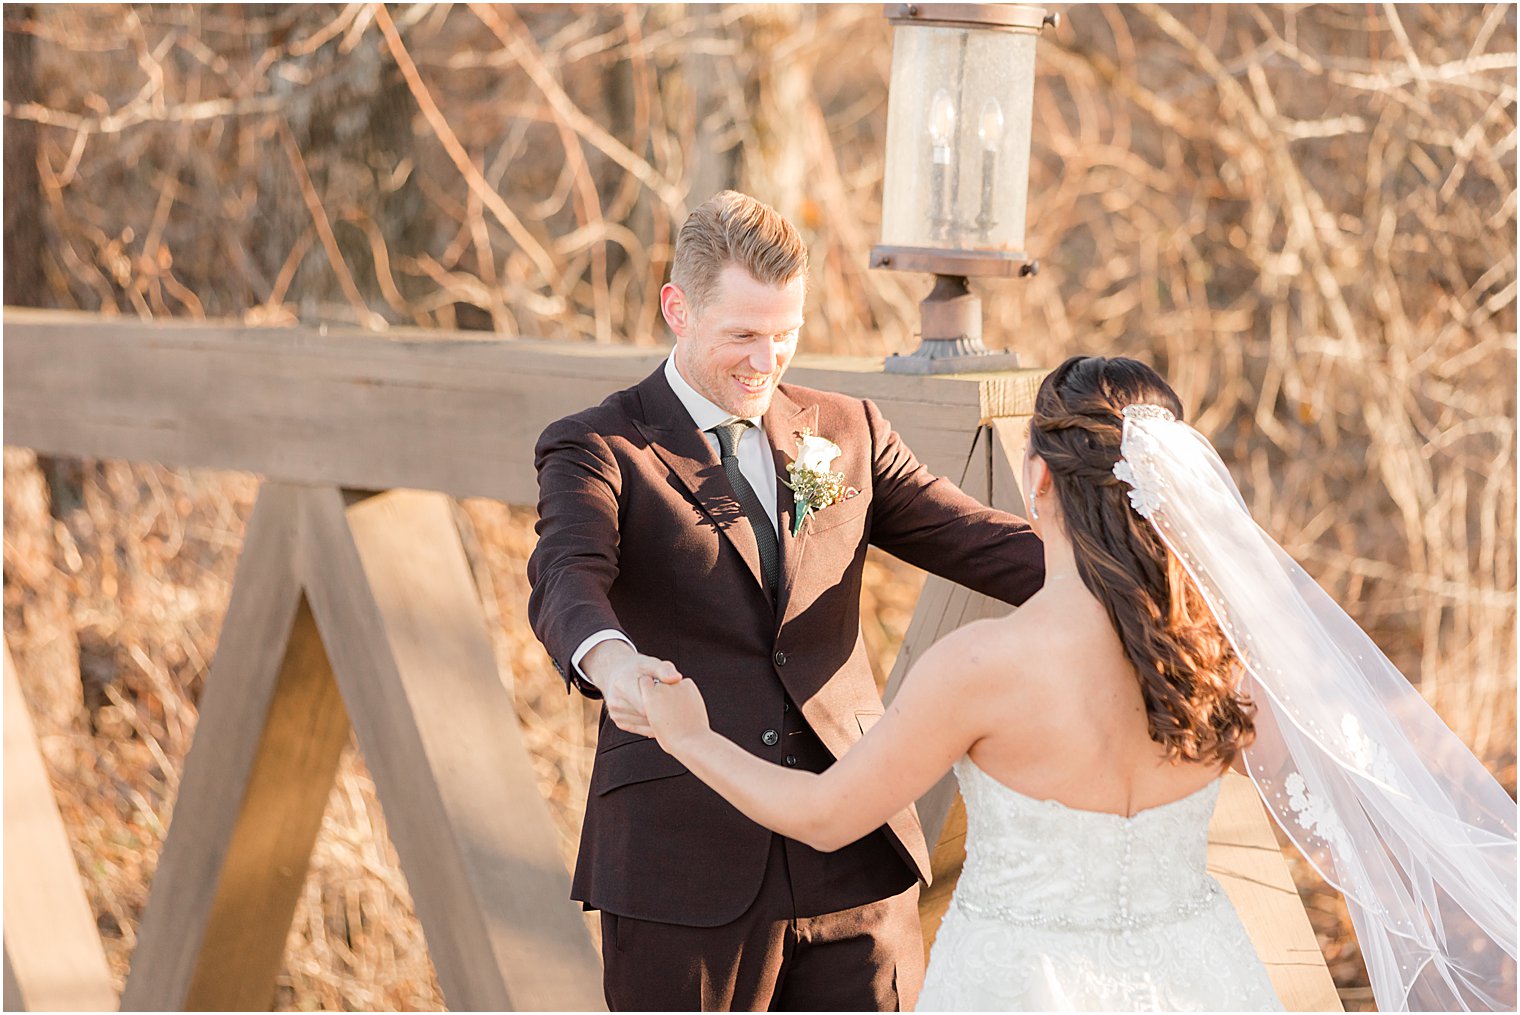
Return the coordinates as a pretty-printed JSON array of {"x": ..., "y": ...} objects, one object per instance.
[
  {"x": 950, "y": 357},
  {"x": 952, "y": 335}
]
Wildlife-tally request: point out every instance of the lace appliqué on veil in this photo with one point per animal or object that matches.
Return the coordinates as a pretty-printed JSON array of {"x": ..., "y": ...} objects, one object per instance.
[
  {"x": 1368, "y": 755},
  {"x": 1136, "y": 467},
  {"x": 1314, "y": 814}
]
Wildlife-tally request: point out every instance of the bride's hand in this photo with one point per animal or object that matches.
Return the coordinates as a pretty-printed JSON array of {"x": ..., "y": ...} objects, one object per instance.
[{"x": 676, "y": 711}]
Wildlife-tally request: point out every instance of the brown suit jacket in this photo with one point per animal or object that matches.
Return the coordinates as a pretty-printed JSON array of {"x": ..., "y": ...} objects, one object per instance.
[{"x": 639, "y": 531}]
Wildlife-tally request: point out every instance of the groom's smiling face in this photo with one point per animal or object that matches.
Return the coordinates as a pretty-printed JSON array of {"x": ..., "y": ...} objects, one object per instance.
[{"x": 734, "y": 349}]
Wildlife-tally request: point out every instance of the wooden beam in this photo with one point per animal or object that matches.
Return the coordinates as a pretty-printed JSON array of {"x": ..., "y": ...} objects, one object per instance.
[
  {"x": 53, "y": 957},
  {"x": 404, "y": 409},
  {"x": 1245, "y": 857},
  {"x": 944, "y": 606},
  {"x": 256, "y": 781},
  {"x": 398, "y": 611}
]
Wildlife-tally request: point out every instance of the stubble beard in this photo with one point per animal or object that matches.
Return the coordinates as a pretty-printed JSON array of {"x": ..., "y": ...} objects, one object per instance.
[
  {"x": 753, "y": 406},
  {"x": 715, "y": 382}
]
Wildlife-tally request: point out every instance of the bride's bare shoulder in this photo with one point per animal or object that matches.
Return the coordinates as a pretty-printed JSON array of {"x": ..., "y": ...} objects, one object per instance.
[
  {"x": 1000, "y": 647},
  {"x": 1018, "y": 650}
]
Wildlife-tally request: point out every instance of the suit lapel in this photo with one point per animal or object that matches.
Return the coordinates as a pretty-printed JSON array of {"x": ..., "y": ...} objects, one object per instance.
[
  {"x": 683, "y": 448},
  {"x": 782, "y": 423}
]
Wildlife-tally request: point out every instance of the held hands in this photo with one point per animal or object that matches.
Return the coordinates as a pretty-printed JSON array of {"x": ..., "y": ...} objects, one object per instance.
[
  {"x": 676, "y": 711},
  {"x": 620, "y": 674}
]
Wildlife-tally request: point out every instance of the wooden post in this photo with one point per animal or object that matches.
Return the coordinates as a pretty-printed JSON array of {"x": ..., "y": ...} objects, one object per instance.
[
  {"x": 379, "y": 586},
  {"x": 944, "y": 606},
  {"x": 53, "y": 957},
  {"x": 991, "y": 476}
]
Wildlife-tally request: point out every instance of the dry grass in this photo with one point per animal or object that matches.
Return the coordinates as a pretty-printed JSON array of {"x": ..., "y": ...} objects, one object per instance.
[{"x": 1304, "y": 216}]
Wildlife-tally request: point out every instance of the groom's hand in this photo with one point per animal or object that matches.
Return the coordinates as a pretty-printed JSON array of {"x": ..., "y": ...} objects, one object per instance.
[{"x": 617, "y": 670}]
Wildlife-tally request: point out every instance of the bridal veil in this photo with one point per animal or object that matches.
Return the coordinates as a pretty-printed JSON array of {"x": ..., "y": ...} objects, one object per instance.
[{"x": 1386, "y": 802}]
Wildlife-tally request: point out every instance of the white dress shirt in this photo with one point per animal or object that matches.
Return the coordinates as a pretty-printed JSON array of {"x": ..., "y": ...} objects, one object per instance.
[{"x": 756, "y": 462}]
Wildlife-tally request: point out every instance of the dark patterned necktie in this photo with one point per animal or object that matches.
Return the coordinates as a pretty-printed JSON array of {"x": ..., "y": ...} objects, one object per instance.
[{"x": 765, "y": 535}]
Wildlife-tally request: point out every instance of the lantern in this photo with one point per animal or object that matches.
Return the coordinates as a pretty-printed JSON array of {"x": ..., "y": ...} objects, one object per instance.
[{"x": 960, "y": 102}]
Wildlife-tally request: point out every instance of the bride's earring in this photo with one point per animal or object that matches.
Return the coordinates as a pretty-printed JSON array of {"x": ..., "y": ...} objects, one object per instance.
[{"x": 1034, "y": 514}]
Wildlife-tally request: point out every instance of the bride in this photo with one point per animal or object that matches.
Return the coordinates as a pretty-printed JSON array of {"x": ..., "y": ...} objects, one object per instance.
[{"x": 1090, "y": 728}]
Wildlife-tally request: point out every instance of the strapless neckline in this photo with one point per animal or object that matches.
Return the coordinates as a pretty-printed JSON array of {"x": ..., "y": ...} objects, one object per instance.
[{"x": 1207, "y": 789}]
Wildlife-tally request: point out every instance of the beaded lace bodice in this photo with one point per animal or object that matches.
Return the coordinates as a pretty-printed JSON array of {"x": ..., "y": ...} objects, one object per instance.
[
  {"x": 1060, "y": 909},
  {"x": 1041, "y": 863}
]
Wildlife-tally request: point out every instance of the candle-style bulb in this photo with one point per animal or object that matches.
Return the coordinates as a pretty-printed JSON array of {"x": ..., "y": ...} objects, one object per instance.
[
  {"x": 942, "y": 119},
  {"x": 941, "y": 132},
  {"x": 990, "y": 126}
]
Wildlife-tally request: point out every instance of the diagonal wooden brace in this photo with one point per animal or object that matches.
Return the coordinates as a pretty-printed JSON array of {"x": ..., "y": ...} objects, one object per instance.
[
  {"x": 352, "y": 608},
  {"x": 53, "y": 957},
  {"x": 256, "y": 780},
  {"x": 399, "y": 612}
]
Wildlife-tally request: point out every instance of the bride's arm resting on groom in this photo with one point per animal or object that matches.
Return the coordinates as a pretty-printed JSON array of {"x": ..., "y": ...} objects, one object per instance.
[{"x": 932, "y": 722}]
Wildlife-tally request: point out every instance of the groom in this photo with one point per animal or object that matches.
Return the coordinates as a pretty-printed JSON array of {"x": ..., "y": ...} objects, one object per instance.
[{"x": 669, "y": 545}]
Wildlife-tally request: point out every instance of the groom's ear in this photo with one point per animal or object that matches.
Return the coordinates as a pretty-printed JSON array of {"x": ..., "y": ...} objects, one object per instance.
[{"x": 677, "y": 310}]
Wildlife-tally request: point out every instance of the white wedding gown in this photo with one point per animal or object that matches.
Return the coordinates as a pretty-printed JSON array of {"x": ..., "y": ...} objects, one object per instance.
[{"x": 1062, "y": 909}]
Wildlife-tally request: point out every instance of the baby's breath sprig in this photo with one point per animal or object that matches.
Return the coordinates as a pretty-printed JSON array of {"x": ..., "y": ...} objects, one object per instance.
[{"x": 814, "y": 485}]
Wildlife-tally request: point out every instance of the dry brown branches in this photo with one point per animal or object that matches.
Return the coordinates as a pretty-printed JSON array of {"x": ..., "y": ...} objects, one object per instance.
[{"x": 1305, "y": 216}]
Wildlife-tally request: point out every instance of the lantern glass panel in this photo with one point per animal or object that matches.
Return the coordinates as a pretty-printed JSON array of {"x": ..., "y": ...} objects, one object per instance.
[{"x": 958, "y": 118}]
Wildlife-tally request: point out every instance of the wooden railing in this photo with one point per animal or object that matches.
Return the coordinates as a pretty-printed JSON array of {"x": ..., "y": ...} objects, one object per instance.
[{"x": 353, "y": 608}]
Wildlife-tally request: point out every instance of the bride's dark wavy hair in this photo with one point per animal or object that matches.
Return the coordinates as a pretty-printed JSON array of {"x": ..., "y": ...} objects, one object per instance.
[{"x": 1188, "y": 670}]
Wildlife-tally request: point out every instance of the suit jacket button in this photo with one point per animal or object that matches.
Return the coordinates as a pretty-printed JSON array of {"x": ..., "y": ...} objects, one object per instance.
[
  {"x": 770, "y": 738},
  {"x": 791, "y": 761},
  {"x": 780, "y": 658}
]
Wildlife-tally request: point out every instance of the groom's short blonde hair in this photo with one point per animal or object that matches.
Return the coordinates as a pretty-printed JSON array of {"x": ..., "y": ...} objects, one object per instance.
[{"x": 734, "y": 228}]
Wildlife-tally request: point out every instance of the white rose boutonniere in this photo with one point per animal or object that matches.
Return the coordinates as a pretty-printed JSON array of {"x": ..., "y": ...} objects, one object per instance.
[{"x": 814, "y": 485}]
